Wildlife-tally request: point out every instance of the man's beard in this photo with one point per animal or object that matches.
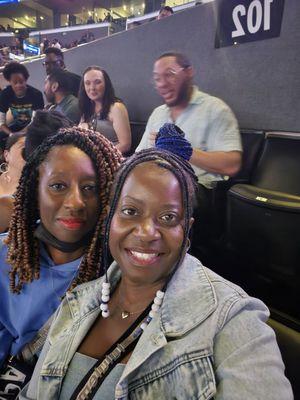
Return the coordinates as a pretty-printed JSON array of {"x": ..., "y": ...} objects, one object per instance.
[{"x": 183, "y": 95}]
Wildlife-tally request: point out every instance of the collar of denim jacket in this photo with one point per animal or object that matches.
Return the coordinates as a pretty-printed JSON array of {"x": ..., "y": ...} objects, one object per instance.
[{"x": 189, "y": 299}]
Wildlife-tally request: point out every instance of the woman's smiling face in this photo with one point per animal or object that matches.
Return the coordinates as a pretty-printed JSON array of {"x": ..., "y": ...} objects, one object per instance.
[
  {"x": 68, "y": 199},
  {"x": 147, "y": 231}
]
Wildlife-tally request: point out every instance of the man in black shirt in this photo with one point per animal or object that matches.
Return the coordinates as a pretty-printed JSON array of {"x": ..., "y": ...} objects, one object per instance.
[
  {"x": 55, "y": 59},
  {"x": 20, "y": 98}
]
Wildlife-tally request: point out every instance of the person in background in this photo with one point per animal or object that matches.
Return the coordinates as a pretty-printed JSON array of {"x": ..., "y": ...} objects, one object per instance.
[
  {"x": 101, "y": 110},
  {"x": 209, "y": 125},
  {"x": 57, "y": 93},
  {"x": 44, "y": 124},
  {"x": 55, "y": 59},
  {"x": 55, "y": 43},
  {"x": 20, "y": 98},
  {"x": 158, "y": 325},
  {"x": 14, "y": 162},
  {"x": 54, "y": 240},
  {"x": 165, "y": 11}
]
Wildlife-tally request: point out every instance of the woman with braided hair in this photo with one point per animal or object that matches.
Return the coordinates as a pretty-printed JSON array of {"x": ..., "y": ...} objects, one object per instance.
[
  {"x": 158, "y": 325},
  {"x": 55, "y": 236}
]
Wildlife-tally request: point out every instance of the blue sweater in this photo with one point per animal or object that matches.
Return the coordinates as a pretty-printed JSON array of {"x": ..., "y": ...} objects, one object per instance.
[{"x": 22, "y": 315}]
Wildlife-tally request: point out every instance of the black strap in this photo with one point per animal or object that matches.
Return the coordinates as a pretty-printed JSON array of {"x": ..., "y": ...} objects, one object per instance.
[{"x": 126, "y": 352}]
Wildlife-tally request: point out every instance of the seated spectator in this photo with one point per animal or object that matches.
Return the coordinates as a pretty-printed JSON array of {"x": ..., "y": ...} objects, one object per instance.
[
  {"x": 90, "y": 20},
  {"x": 57, "y": 93},
  {"x": 20, "y": 98},
  {"x": 14, "y": 162},
  {"x": 44, "y": 124},
  {"x": 54, "y": 240},
  {"x": 90, "y": 36},
  {"x": 158, "y": 325},
  {"x": 55, "y": 43},
  {"x": 55, "y": 59},
  {"x": 46, "y": 44},
  {"x": 108, "y": 17},
  {"x": 83, "y": 39},
  {"x": 165, "y": 11},
  {"x": 101, "y": 110},
  {"x": 209, "y": 125}
]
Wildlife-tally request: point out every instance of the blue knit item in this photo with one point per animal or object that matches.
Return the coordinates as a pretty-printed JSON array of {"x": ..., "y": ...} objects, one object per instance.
[{"x": 171, "y": 138}]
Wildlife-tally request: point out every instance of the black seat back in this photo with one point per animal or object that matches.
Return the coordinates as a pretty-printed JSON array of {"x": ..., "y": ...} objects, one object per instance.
[
  {"x": 137, "y": 131},
  {"x": 252, "y": 142},
  {"x": 278, "y": 168}
]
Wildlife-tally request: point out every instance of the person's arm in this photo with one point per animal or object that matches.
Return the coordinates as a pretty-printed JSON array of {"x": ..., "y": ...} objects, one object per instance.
[
  {"x": 120, "y": 121},
  {"x": 218, "y": 162},
  {"x": 223, "y": 154},
  {"x": 148, "y": 139},
  {"x": 3, "y": 127},
  {"x": 247, "y": 361}
]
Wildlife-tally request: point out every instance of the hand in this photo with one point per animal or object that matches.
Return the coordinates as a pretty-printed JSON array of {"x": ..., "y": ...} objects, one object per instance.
[
  {"x": 83, "y": 125},
  {"x": 152, "y": 138}
]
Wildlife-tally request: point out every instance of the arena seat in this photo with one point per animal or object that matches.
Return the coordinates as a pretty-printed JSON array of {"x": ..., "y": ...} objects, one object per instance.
[
  {"x": 263, "y": 223},
  {"x": 252, "y": 142},
  {"x": 137, "y": 130}
]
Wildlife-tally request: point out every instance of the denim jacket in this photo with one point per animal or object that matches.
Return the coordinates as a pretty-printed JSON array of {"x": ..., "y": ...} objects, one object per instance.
[{"x": 209, "y": 340}]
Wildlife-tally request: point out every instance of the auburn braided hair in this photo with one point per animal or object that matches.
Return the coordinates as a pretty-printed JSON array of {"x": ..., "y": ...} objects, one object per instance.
[{"x": 23, "y": 248}]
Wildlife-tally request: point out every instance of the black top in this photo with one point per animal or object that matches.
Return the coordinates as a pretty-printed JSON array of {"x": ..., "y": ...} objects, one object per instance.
[
  {"x": 21, "y": 107},
  {"x": 74, "y": 82}
]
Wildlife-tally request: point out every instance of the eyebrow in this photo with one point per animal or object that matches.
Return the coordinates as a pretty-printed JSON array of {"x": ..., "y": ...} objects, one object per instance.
[{"x": 167, "y": 205}]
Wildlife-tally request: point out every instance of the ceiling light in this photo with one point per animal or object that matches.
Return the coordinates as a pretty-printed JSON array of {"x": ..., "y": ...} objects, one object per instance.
[
  {"x": 42, "y": 18},
  {"x": 124, "y": 7}
]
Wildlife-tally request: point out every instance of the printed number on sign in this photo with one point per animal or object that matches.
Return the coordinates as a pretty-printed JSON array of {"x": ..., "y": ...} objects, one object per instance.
[{"x": 257, "y": 15}]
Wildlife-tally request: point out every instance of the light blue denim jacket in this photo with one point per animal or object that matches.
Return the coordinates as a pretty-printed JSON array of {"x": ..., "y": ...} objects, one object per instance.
[{"x": 209, "y": 341}]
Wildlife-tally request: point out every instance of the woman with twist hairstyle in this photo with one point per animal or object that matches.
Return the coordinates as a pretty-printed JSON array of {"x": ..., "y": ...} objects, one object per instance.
[{"x": 54, "y": 240}]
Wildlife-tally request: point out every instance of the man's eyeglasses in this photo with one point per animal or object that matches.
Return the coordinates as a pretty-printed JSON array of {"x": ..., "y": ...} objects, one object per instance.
[
  {"x": 50, "y": 62},
  {"x": 169, "y": 76}
]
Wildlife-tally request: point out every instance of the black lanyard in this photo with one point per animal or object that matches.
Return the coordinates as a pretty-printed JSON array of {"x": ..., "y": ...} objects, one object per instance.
[{"x": 126, "y": 349}]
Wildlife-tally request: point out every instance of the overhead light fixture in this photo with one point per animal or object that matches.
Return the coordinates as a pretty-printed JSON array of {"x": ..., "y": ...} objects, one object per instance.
[
  {"x": 124, "y": 7},
  {"x": 143, "y": 5},
  {"x": 131, "y": 8},
  {"x": 26, "y": 17},
  {"x": 42, "y": 18}
]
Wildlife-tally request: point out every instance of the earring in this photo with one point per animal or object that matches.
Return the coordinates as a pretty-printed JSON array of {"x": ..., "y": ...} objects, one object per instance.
[
  {"x": 188, "y": 244},
  {"x": 3, "y": 167},
  {"x": 105, "y": 296}
]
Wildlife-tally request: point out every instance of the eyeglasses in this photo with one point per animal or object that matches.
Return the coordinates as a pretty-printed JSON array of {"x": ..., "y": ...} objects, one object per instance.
[
  {"x": 169, "y": 76},
  {"x": 50, "y": 62}
]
